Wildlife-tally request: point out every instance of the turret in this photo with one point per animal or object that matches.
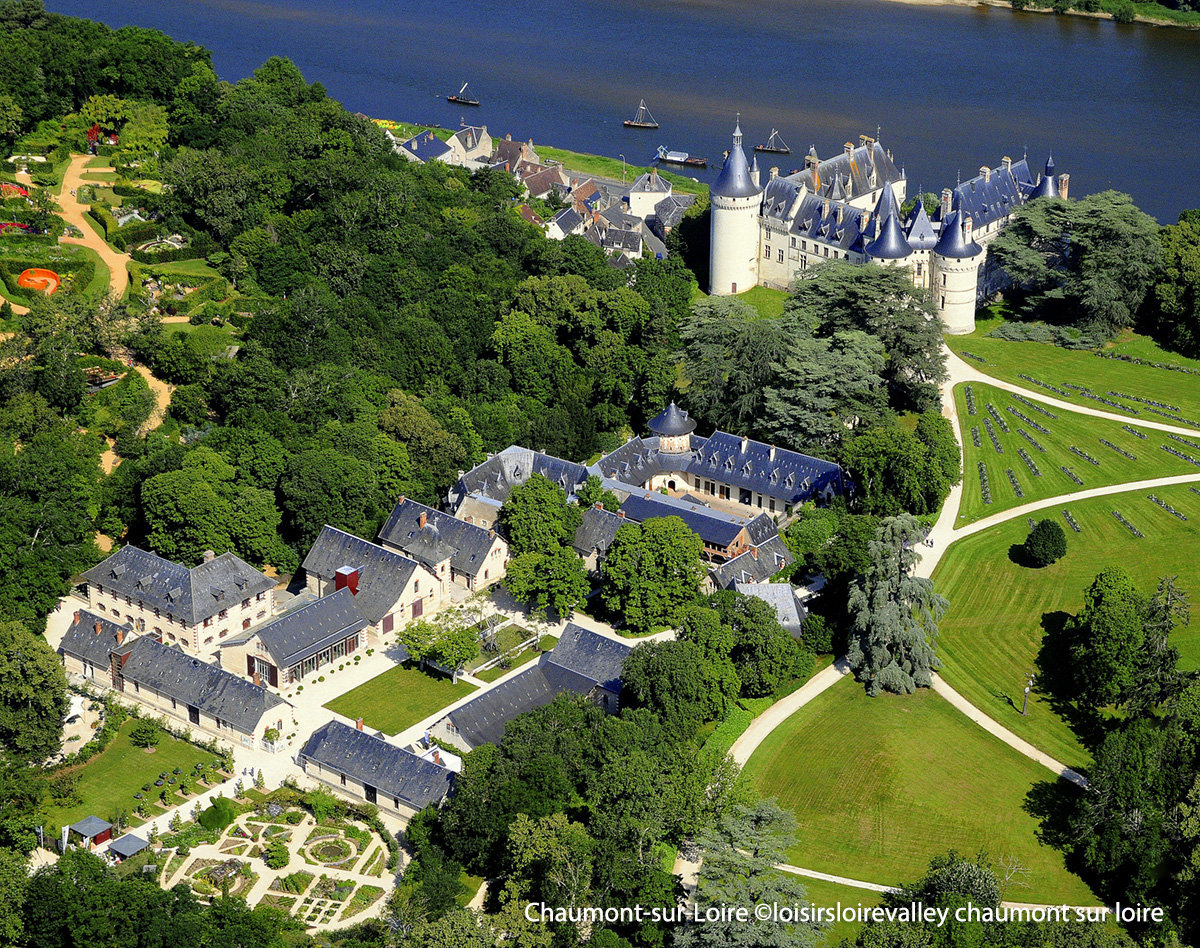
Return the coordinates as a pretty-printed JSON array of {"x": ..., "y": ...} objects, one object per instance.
[
  {"x": 735, "y": 196},
  {"x": 1047, "y": 186},
  {"x": 956, "y": 260},
  {"x": 674, "y": 429}
]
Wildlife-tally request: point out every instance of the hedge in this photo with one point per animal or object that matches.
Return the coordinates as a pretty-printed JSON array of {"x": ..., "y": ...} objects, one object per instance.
[{"x": 102, "y": 216}]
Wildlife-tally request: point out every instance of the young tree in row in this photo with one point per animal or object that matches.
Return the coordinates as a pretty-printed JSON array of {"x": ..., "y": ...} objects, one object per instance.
[{"x": 895, "y": 613}]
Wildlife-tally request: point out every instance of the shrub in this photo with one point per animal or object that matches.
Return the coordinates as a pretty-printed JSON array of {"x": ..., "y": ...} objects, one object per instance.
[
  {"x": 293, "y": 817},
  {"x": 219, "y": 815},
  {"x": 1124, "y": 12},
  {"x": 1046, "y": 543},
  {"x": 276, "y": 855},
  {"x": 818, "y": 636}
]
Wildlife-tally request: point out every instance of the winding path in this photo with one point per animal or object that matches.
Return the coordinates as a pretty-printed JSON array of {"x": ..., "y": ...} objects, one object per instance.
[{"x": 73, "y": 213}]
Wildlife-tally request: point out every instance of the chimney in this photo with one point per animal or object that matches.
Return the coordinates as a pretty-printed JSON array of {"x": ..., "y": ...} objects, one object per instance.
[
  {"x": 654, "y": 174},
  {"x": 75, "y": 619},
  {"x": 1064, "y": 180},
  {"x": 359, "y": 723},
  {"x": 849, "y": 149},
  {"x": 598, "y": 505},
  {"x": 967, "y": 224},
  {"x": 947, "y": 202},
  {"x": 774, "y": 172},
  {"x": 421, "y": 521},
  {"x": 508, "y": 136},
  {"x": 208, "y": 556},
  {"x": 772, "y": 452},
  {"x": 98, "y": 627},
  {"x": 745, "y": 443},
  {"x": 257, "y": 679},
  {"x": 986, "y": 172},
  {"x": 620, "y": 514},
  {"x": 346, "y": 577},
  {"x": 754, "y": 552},
  {"x": 437, "y": 758},
  {"x": 810, "y": 161},
  {"x": 119, "y": 636},
  {"x": 1006, "y": 163}
]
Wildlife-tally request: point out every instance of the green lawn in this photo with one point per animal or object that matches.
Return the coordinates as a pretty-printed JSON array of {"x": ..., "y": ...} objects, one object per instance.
[
  {"x": 1066, "y": 429},
  {"x": 109, "y": 780},
  {"x": 612, "y": 167},
  {"x": 881, "y": 785},
  {"x": 990, "y": 636},
  {"x": 1055, "y": 365},
  {"x": 99, "y": 163},
  {"x": 110, "y": 176},
  {"x": 398, "y": 698},
  {"x": 523, "y": 657},
  {"x": 767, "y": 301}
]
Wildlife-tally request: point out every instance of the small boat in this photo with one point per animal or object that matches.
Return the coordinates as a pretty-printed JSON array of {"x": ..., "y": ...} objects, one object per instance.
[
  {"x": 662, "y": 156},
  {"x": 775, "y": 145},
  {"x": 642, "y": 118},
  {"x": 463, "y": 97}
]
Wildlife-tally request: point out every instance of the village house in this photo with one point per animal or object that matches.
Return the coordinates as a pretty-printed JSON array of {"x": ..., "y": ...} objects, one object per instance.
[
  {"x": 583, "y": 663},
  {"x": 423, "y": 147},
  {"x": 471, "y": 556},
  {"x": 595, "y": 534},
  {"x": 756, "y": 565},
  {"x": 195, "y": 608},
  {"x": 370, "y": 770},
  {"x": 490, "y": 483},
  {"x": 471, "y": 147}
]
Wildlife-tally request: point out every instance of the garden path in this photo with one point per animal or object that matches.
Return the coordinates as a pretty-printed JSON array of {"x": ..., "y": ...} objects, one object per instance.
[{"x": 73, "y": 213}]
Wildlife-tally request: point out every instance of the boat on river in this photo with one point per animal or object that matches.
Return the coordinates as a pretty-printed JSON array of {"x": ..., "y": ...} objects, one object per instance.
[
  {"x": 642, "y": 118},
  {"x": 463, "y": 97},
  {"x": 665, "y": 157},
  {"x": 775, "y": 145}
]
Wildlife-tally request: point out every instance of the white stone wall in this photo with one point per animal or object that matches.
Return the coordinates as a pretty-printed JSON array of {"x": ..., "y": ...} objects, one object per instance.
[
  {"x": 954, "y": 292},
  {"x": 733, "y": 264}
]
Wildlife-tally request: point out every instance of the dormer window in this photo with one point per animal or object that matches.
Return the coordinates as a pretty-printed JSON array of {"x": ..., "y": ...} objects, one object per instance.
[
  {"x": 790, "y": 481},
  {"x": 118, "y": 571},
  {"x": 746, "y": 468}
]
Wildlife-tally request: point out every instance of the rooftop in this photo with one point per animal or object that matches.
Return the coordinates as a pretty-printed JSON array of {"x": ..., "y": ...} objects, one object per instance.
[
  {"x": 382, "y": 575},
  {"x": 296, "y": 635},
  {"x": 442, "y": 536}
]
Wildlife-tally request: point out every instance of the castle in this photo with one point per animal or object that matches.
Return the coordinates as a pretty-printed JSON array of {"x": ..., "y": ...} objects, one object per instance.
[{"x": 848, "y": 207}]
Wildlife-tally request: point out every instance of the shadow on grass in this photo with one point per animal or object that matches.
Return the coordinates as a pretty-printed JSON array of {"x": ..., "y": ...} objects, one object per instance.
[
  {"x": 1053, "y": 804},
  {"x": 1055, "y": 680}
]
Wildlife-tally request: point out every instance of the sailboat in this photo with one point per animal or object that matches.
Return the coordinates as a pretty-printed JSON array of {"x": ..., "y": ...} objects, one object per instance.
[
  {"x": 642, "y": 119},
  {"x": 775, "y": 144},
  {"x": 463, "y": 97}
]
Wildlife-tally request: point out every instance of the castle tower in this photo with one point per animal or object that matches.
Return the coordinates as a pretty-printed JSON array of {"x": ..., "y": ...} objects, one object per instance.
[
  {"x": 1047, "y": 186},
  {"x": 674, "y": 429},
  {"x": 733, "y": 248},
  {"x": 890, "y": 247},
  {"x": 956, "y": 260}
]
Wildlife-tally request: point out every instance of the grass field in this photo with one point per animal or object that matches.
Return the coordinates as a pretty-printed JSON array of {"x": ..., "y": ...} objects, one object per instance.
[
  {"x": 523, "y": 657},
  {"x": 109, "y": 176},
  {"x": 767, "y": 301},
  {"x": 1066, "y": 429},
  {"x": 990, "y": 636},
  {"x": 109, "y": 780},
  {"x": 827, "y": 895},
  {"x": 612, "y": 168},
  {"x": 1055, "y": 365},
  {"x": 398, "y": 698},
  {"x": 881, "y": 785}
]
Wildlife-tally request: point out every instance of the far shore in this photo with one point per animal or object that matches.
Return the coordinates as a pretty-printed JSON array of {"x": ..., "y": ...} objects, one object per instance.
[{"x": 1098, "y": 15}]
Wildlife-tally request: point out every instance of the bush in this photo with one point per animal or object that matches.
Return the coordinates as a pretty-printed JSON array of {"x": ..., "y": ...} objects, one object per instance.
[
  {"x": 1124, "y": 12},
  {"x": 818, "y": 636},
  {"x": 293, "y": 817},
  {"x": 1045, "y": 544},
  {"x": 219, "y": 815},
  {"x": 276, "y": 855}
]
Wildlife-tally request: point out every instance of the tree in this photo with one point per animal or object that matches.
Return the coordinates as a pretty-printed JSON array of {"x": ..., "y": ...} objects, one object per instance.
[
  {"x": 440, "y": 640},
  {"x": 1177, "y": 293},
  {"x": 651, "y": 570},
  {"x": 741, "y": 852},
  {"x": 592, "y": 493},
  {"x": 895, "y": 472},
  {"x": 895, "y": 614},
  {"x": 675, "y": 681},
  {"x": 1156, "y": 675},
  {"x": 276, "y": 855},
  {"x": 14, "y": 878},
  {"x": 1046, "y": 543},
  {"x": 33, "y": 694},
  {"x": 145, "y": 733},
  {"x": 537, "y": 518},
  {"x": 556, "y": 580},
  {"x": 1089, "y": 262},
  {"x": 1107, "y": 637},
  {"x": 764, "y": 655}
]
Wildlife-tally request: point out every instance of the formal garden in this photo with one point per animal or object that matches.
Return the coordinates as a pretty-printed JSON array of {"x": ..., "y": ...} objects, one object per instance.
[
  {"x": 1017, "y": 450},
  {"x": 306, "y": 853}
]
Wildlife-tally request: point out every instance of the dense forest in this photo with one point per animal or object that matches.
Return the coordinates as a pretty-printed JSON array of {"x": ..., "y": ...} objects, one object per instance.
[{"x": 396, "y": 322}]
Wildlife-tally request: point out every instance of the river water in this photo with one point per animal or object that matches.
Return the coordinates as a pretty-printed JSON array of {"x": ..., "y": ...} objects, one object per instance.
[{"x": 949, "y": 87}]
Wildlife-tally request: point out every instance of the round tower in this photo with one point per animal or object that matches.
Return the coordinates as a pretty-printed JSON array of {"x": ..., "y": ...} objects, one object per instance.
[
  {"x": 733, "y": 247},
  {"x": 956, "y": 260},
  {"x": 674, "y": 429}
]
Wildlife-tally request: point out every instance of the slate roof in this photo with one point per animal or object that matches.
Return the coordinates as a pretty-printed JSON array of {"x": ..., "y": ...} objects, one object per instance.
[
  {"x": 990, "y": 198},
  {"x": 83, "y": 641},
  {"x": 426, "y": 146},
  {"x": 596, "y": 531},
  {"x": 190, "y": 681},
  {"x": 734, "y": 181},
  {"x": 587, "y": 660},
  {"x": 567, "y": 220},
  {"x": 499, "y": 474},
  {"x": 714, "y": 527},
  {"x": 382, "y": 576},
  {"x": 920, "y": 233},
  {"x": 761, "y": 529},
  {"x": 1047, "y": 185},
  {"x": 651, "y": 181},
  {"x": 627, "y": 241},
  {"x": 953, "y": 241},
  {"x": 671, "y": 421},
  {"x": 128, "y": 845},
  {"x": 542, "y": 182},
  {"x": 191, "y": 595},
  {"x": 669, "y": 211},
  {"x": 827, "y": 220},
  {"x": 849, "y": 175},
  {"x": 90, "y": 827},
  {"x": 619, "y": 218},
  {"x": 773, "y": 555},
  {"x": 465, "y": 543},
  {"x": 891, "y": 243},
  {"x": 470, "y": 137},
  {"x": 780, "y": 597},
  {"x": 296, "y": 635},
  {"x": 393, "y": 771}
]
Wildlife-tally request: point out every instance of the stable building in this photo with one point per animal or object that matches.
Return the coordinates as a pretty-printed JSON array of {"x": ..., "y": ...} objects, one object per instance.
[
  {"x": 192, "y": 607},
  {"x": 86, "y": 646},
  {"x": 369, "y": 769},
  {"x": 454, "y": 550}
]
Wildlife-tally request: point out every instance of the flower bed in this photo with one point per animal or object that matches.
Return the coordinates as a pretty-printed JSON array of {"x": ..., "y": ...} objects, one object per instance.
[
  {"x": 364, "y": 898},
  {"x": 1071, "y": 474},
  {"x": 1045, "y": 385},
  {"x": 1012, "y": 479},
  {"x": 987, "y": 423},
  {"x": 1083, "y": 454},
  {"x": 995, "y": 414},
  {"x": 1071, "y": 521},
  {"x": 1030, "y": 403},
  {"x": 1033, "y": 468},
  {"x": 1180, "y": 454},
  {"x": 1135, "y": 432},
  {"x": 1146, "y": 401},
  {"x": 969, "y": 394},
  {"x": 1031, "y": 439},
  {"x": 1190, "y": 444},
  {"x": 1029, "y": 421},
  {"x": 975, "y": 437},
  {"x": 1167, "y": 507}
]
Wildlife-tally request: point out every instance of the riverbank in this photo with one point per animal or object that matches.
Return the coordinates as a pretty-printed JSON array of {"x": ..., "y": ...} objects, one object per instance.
[{"x": 1149, "y": 13}]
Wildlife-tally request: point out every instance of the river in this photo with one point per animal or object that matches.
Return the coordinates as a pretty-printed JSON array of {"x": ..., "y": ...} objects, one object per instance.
[{"x": 949, "y": 87}]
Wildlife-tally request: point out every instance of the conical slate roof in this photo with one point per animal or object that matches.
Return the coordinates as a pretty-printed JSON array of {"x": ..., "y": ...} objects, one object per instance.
[
  {"x": 734, "y": 180},
  {"x": 1048, "y": 186},
  {"x": 920, "y": 231},
  {"x": 671, "y": 421},
  {"x": 886, "y": 205},
  {"x": 890, "y": 244},
  {"x": 952, "y": 242}
]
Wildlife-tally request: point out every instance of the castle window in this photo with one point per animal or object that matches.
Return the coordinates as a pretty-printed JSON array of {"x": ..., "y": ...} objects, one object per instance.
[
  {"x": 943, "y": 279},
  {"x": 767, "y": 252},
  {"x": 793, "y": 242},
  {"x": 780, "y": 256},
  {"x": 826, "y": 249},
  {"x": 943, "y": 301}
]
